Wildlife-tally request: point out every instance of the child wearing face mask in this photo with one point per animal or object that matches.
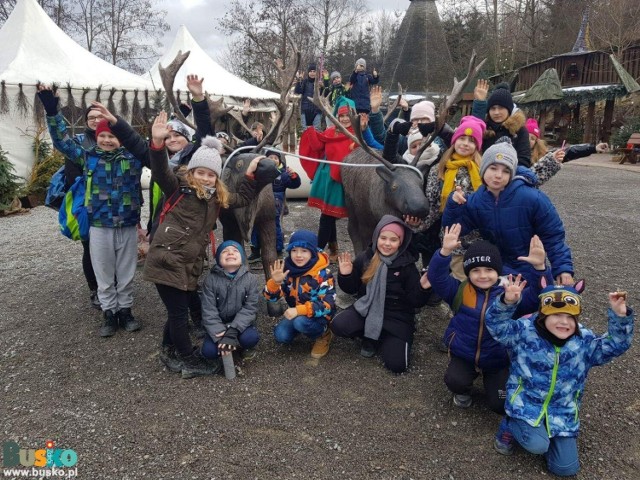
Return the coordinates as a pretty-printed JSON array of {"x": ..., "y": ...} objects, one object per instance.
[
  {"x": 551, "y": 355},
  {"x": 389, "y": 289},
  {"x": 306, "y": 283},
  {"x": 195, "y": 194}
]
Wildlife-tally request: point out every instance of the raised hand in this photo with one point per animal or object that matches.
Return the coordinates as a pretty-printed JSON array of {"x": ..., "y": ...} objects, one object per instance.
[
  {"x": 559, "y": 155},
  {"x": 618, "y": 302},
  {"x": 345, "y": 265},
  {"x": 364, "y": 121},
  {"x": 537, "y": 255},
  {"x": 277, "y": 271},
  {"x": 565, "y": 279},
  {"x": 451, "y": 239},
  {"x": 253, "y": 166},
  {"x": 376, "y": 98},
  {"x": 482, "y": 89},
  {"x": 246, "y": 107},
  {"x": 458, "y": 196},
  {"x": 159, "y": 130},
  {"x": 194, "y": 84},
  {"x": 403, "y": 104},
  {"x": 375, "y": 72},
  {"x": 106, "y": 114},
  {"x": 513, "y": 290}
]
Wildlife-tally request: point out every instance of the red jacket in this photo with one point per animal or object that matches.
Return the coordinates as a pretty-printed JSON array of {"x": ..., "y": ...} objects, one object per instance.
[{"x": 330, "y": 144}]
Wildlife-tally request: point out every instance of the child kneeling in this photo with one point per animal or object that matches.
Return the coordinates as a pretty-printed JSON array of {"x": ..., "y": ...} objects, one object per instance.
[
  {"x": 389, "y": 288},
  {"x": 551, "y": 354},
  {"x": 305, "y": 281},
  {"x": 229, "y": 304}
]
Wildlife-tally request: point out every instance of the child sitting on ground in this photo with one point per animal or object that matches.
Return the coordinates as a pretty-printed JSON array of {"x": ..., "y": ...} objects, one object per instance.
[
  {"x": 287, "y": 178},
  {"x": 551, "y": 354},
  {"x": 359, "y": 83},
  {"x": 305, "y": 281},
  {"x": 389, "y": 288},
  {"x": 229, "y": 304},
  {"x": 472, "y": 351}
]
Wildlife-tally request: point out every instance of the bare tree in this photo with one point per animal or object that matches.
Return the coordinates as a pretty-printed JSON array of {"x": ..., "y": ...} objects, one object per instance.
[
  {"x": 329, "y": 18},
  {"x": 87, "y": 22},
  {"x": 59, "y": 10},
  {"x": 614, "y": 24}
]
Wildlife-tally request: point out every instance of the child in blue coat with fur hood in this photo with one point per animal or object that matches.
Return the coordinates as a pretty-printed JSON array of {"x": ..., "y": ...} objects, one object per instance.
[{"x": 551, "y": 355}]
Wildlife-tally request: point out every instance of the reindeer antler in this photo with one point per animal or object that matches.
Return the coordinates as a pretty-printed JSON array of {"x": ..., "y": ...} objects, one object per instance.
[
  {"x": 323, "y": 104},
  {"x": 394, "y": 105},
  {"x": 168, "y": 76},
  {"x": 451, "y": 100}
]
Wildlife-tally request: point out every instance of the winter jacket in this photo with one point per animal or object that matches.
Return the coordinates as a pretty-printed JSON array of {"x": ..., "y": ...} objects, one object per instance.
[
  {"x": 177, "y": 250},
  {"x": 513, "y": 127},
  {"x": 359, "y": 91},
  {"x": 285, "y": 180},
  {"x": 510, "y": 221},
  {"x": 305, "y": 88},
  {"x": 403, "y": 295},
  {"x": 312, "y": 294},
  {"x": 68, "y": 145},
  {"x": 546, "y": 382},
  {"x": 334, "y": 92},
  {"x": 229, "y": 302},
  {"x": 466, "y": 335}
]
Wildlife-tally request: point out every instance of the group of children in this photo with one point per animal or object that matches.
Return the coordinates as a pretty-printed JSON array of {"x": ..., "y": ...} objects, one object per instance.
[{"x": 515, "y": 318}]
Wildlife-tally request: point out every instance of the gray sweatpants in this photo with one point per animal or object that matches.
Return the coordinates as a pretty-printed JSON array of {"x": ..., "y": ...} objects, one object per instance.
[{"x": 114, "y": 255}]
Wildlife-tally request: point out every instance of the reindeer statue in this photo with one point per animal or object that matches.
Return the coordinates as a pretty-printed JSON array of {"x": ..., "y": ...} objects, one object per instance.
[{"x": 392, "y": 189}]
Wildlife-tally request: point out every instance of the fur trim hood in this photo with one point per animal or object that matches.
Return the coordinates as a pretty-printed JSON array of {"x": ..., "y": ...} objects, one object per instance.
[{"x": 513, "y": 124}]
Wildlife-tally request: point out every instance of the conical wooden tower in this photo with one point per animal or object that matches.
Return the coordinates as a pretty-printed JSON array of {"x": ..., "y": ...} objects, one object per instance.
[{"x": 419, "y": 57}]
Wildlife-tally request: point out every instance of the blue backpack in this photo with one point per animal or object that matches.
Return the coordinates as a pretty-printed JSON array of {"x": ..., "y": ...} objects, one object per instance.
[
  {"x": 73, "y": 216},
  {"x": 57, "y": 189}
]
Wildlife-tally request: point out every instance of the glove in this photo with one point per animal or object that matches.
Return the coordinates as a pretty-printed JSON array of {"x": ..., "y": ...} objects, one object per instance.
[
  {"x": 230, "y": 338},
  {"x": 426, "y": 128},
  {"x": 49, "y": 102},
  {"x": 400, "y": 127}
]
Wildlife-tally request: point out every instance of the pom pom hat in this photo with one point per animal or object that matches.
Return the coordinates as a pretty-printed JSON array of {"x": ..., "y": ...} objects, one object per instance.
[
  {"x": 532, "y": 127},
  {"x": 471, "y": 127},
  {"x": 501, "y": 152},
  {"x": 501, "y": 96},
  {"x": 208, "y": 155}
]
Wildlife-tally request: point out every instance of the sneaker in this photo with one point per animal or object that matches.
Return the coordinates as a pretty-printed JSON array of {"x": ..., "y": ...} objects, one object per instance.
[
  {"x": 504, "y": 441},
  {"x": 255, "y": 256},
  {"x": 462, "y": 401},
  {"x": 110, "y": 324},
  {"x": 95, "y": 302},
  {"x": 322, "y": 344},
  {"x": 170, "y": 359},
  {"x": 248, "y": 354},
  {"x": 368, "y": 348},
  {"x": 127, "y": 320},
  {"x": 195, "y": 365}
]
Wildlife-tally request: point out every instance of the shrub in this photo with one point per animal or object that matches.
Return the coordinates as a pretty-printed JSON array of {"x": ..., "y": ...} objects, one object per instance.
[
  {"x": 9, "y": 182},
  {"x": 622, "y": 134}
]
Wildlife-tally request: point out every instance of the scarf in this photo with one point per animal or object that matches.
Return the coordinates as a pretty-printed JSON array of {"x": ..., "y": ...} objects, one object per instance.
[
  {"x": 451, "y": 171},
  {"x": 371, "y": 306},
  {"x": 295, "y": 271},
  {"x": 429, "y": 156}
]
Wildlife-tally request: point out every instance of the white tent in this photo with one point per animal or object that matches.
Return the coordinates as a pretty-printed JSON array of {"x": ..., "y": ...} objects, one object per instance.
[
  {"x": 35, "y": 50},
  {"x": 218, "y": 82}
]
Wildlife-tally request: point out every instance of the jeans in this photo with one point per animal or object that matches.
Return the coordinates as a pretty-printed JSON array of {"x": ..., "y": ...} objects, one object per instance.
[
  {"x": 286, "y": 330},
  {"x": 561, "y": 453},
  {"x": 316, "y": 122},
  {"x": 247, "y": 339}
]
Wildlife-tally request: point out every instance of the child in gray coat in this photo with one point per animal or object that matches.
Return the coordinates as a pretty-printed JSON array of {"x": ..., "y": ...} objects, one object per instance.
[{"x": 229, "y": 304}]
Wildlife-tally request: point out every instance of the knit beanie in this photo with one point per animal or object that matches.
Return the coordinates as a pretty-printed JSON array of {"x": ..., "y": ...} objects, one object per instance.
[
  {"x": 312, "y": 66},
  {"x": 343, "y": 110},
  {"x": 413, "y": 136},
  {"x": 482, "y": 254},
  {"x": 472, "y": 127},
  {"x": 501, "y": 96},
  {"x": 180, "y": 128},
  {"x": 230, "y": 243},
  {"x": 335, "y": 75},
  {"x": 361, "y": 61},
  {"x": 501, "y": 152},
  {"x": 303, "y": 239},
  {"x": 208, "y": 155},
  {"x": 268, "y": 151},
  {"x": 532, "y": 127},
  {"x": 103, "y": 126},
  {"x": 423, "y": 109},
  {"x": 395, "y": 228}
]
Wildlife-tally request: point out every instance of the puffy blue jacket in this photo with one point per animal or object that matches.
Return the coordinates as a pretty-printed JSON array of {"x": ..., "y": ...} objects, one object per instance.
[
  {"x": 359, "y": 91},
  {"x": 510, "y": 221},
  {"x": 546, "y": 382},
  {"x": 466, "y": 335}
]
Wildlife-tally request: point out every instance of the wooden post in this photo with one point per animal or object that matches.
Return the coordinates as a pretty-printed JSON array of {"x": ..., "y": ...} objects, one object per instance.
[
  {"x": 588, "y": 126},
  {"x": 543, "y": 121},
  {"x": 608, "y": 118}
]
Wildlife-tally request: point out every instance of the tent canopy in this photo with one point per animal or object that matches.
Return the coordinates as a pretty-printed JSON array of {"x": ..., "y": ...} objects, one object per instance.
[
  {"x": 546, "y": 89},
  {"x": 35, "y": 49},
  {"x": 217, "y": 81}
]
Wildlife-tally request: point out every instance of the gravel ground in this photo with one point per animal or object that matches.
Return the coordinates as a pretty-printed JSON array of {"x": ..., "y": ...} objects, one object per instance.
[{"x": 286, "y": 415}]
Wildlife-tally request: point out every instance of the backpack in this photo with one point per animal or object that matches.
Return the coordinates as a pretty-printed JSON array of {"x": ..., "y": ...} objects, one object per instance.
[
  {"x": 73, "y": 216},
  {"x": 56, "y": 190}
]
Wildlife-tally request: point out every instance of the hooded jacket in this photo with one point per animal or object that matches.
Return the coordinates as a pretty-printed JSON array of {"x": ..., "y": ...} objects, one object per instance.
[
  {"x": 510, "y": 221},
  {"x": 404, "y": 293},
  {"x": 546, "y": 382}
]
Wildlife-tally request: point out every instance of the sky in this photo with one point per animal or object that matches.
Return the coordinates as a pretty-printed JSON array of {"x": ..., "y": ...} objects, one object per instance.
[{"x": 200, "y": 17}]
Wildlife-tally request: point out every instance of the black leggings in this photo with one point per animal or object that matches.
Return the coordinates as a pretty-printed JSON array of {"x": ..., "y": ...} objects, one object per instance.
[
  {"x": 327, "y": 230},
  {"x": 177, "y": 303},
  {"x": 87, "y": 268}
]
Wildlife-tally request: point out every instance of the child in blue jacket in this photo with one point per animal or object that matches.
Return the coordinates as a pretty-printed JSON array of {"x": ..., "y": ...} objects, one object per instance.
[
  {"x": 508, "y": 211},
  {"x": 360, "y": 82},
  {"x": 471, "y": 349},
  {"x": 551, "y": 354}
]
